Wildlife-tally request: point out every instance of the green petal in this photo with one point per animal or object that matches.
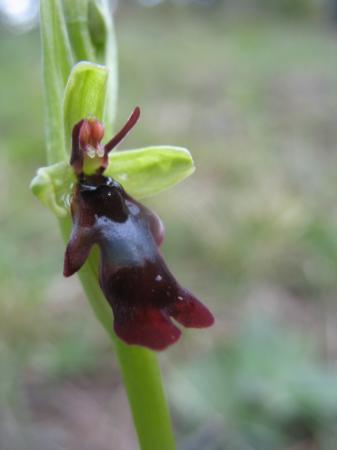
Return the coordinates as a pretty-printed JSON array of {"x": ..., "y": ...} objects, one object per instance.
[{"x": 146, "y": 171}]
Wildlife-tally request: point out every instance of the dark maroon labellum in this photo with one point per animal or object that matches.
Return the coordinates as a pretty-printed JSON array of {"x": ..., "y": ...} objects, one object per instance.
[{"x": 142, "y": 292}]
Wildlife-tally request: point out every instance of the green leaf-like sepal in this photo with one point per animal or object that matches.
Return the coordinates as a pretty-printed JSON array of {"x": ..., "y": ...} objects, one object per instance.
[
  {"x": 142, "y": 172},
  {"x": 52, "y": 185},
  {"x": 85, "y": 94},
  {"x": 147, "y": 171}
]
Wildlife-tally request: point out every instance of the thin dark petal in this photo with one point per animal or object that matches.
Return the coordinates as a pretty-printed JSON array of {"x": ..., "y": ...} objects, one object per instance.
[
  {"x": 131, "y": 122},
  {"x": 77, "y": 251}
]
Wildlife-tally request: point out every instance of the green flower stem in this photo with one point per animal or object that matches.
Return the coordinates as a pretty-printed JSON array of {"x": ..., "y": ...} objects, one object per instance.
[
  {"x": 141, "y": 375},
  {"x": 139, "y": 366}
]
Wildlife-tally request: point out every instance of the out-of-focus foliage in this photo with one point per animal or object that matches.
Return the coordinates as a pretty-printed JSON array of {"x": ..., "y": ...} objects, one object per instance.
[
  {"x": 253, "y": 232},
  {"x": 263, "y": 389}
]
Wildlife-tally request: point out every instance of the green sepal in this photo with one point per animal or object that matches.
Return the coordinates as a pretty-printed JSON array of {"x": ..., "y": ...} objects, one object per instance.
[
  {"x": 52, "y": 185},
  {"x": 85, "y": 94},
  {"x": 147, "y": 171},
  {"x": 142, "y": 172}
]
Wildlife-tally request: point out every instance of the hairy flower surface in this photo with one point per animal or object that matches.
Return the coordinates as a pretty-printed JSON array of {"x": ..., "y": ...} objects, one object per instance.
[{"x": 142, "y": 292}]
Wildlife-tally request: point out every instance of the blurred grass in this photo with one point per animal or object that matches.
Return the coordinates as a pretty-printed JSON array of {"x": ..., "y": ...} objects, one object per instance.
[{"x": 253, "y": 232}]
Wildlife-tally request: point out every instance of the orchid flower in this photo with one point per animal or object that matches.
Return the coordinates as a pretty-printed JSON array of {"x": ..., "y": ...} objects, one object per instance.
[{"x": 139, "y": 287}]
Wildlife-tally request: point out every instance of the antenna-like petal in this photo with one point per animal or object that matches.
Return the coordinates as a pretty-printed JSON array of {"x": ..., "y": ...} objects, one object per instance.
[{"x": 131, "y": 122}]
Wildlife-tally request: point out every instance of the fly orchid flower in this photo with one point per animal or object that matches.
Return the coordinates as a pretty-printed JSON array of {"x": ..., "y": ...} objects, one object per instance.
[{"x": 140, "y": 289}]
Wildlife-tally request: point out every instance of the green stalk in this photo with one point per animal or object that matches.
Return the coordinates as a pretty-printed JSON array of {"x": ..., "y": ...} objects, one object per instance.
[
  {"x": 57, "y": 62},
  {"x": 76, "y": 17},
  {"x": 61, "y": 44}
]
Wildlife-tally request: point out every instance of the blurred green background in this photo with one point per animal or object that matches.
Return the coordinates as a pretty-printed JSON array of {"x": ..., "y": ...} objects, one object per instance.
[{"x": 251, "y": 89}]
